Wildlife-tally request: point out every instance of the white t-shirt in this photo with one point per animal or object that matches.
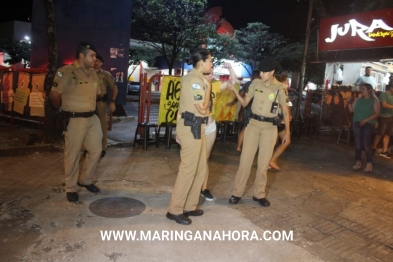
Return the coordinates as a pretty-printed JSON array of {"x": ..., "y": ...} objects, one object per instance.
[
  {"x": 339, "y": 74},
  {"x": 367, "y": 80}
]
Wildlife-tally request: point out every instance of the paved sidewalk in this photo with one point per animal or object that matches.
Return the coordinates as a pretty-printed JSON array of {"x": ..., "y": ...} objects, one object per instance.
[{"x": 335, "y": 213}]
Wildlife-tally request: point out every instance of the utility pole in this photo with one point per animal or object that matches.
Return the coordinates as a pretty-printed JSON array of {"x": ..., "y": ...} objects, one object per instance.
[{"x": 303, "y": 69}]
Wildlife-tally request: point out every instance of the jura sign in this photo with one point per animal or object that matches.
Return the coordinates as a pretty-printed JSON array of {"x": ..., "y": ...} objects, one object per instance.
[{"x": 365, "y": 30}]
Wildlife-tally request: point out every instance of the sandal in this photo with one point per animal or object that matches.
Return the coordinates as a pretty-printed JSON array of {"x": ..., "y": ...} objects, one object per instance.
[
  {"x": 357, "y": 166},
  {"x": 274, "y": 166},
  {"x": 369, "y": 167},
  {"x": 270, "y": 168}
]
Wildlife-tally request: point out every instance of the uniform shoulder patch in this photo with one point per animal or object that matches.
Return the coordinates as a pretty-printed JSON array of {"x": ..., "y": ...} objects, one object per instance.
[
  {"x": 196, "y": 87},
  {"x": 198, "y": 97}
]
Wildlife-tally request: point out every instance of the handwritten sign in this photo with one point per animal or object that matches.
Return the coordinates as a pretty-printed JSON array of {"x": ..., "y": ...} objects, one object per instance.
[
  {"x": 20, "y": 99},
  {"x": 7, "y": 93},
  {"x": 169, "y": 99},
  {"x": 23, "y": 80},
  {"x": 36, "y": 99}
]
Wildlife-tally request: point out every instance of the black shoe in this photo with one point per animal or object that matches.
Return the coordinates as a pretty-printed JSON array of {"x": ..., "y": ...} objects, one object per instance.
[
  {"x": 180, "y": 219},
  {"x": 206, "y": 194},
  {"x": 262, "y": 201},
  {"x": 72, "y": 196},
  {"x": 195, "y": 213},
  {"x": 92, "y": 188},
  {"x": 103, "y": 153},
  {"x": 84, "y": 153},
  {"x": 234, "y": 200}
]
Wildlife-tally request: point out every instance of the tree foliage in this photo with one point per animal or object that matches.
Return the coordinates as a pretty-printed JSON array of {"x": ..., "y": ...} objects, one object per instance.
[
  {"x": 170, "y": 26},
  {"x": 138, "y": 54},
  {"x": 17, "y": 51},
  {"x": 290, "y": 58},
  {"x": 368, "y": 5},
  {"x": 220, "y": 45},
  {"x": 254, "y": 43}
]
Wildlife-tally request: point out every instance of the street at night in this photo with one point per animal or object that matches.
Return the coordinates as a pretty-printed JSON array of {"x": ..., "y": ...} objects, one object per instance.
[{"x": 335, "y": 213}]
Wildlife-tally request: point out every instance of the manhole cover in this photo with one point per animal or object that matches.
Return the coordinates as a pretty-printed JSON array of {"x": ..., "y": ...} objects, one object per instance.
[{"x": 117, "y": 207}]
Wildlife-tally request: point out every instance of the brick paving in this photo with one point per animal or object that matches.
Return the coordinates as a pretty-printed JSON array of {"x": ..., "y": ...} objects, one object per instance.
[{"x": 336, "y": 213}]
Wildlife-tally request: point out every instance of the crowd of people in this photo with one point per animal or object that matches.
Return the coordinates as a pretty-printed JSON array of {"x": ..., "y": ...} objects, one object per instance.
[{"x": 79, "y": 92}]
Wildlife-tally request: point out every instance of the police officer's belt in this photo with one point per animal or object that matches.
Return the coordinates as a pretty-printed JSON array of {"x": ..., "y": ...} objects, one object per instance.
[
  {"x": 81, "y": 114},
  {"x": 203, "y": 120},
  {"x": 262, "y": 118},
  {"x": 103, "y": 98}
]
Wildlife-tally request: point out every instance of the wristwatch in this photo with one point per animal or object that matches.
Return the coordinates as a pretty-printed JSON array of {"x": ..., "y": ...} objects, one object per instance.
[{"x": 113, "y": 100}]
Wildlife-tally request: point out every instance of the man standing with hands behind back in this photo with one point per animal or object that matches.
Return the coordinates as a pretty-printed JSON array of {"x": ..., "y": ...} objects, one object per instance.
[
  {"x": 105, "y": 81},
  {"x": 74, "y": 92}
]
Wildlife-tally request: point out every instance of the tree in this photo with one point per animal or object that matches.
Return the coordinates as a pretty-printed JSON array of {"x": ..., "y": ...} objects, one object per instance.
[
  {"x": 51, "y": 132},
  {"x": 170, "y": 26},
  {"x": 17, "y": 50},
  {"x": 254, "y": 43},
  {"x": 290, "y": 58},
  {"x": 368, "y": 5},
  {"x": 139, "y": 54}
]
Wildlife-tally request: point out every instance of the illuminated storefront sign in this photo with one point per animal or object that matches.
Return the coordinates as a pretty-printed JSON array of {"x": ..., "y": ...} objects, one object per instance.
[{"x": 365, "y": 30}]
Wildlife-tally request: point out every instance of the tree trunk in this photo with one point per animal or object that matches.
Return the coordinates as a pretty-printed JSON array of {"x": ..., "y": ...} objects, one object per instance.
[{"x": 51, "y": 128}]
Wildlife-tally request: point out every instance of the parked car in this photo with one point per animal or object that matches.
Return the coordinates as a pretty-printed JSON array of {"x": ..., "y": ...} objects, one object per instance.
[{"x": 133, "y": 88}]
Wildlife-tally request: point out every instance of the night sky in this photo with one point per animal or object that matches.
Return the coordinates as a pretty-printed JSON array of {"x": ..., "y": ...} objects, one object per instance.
[
  {"x": 286, "y": 17},
  {"x": 16, "y": 10}
]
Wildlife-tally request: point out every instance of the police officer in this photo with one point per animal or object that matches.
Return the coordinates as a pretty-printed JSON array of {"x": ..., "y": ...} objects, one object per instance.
[
  {"x": 105, "y": 81},
  {"x": 261, "y": 132},
  {"x": 193, "y": 108},
  {"x": 74, "y": 92}
]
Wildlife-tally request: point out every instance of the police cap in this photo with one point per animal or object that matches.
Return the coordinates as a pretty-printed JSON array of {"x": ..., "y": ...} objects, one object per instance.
[
  {"x": 267, "y": 65},
  {"x": 99, "y": 57},
  {"x": 88, "y": 46}
]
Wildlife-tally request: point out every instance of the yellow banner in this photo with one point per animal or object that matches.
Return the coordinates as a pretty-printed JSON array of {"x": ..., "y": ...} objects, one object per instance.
[
  {"x": 169, "y": 99},
  {"x": 170, "y": 95},
  {"x": 222, "y": 111}
]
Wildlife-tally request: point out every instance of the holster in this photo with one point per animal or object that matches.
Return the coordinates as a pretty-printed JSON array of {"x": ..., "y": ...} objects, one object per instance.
[
  {"x": 277, "y": 120},
  {"x": 65, "y": 117},
  {"x": 194, "y": 122}
]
